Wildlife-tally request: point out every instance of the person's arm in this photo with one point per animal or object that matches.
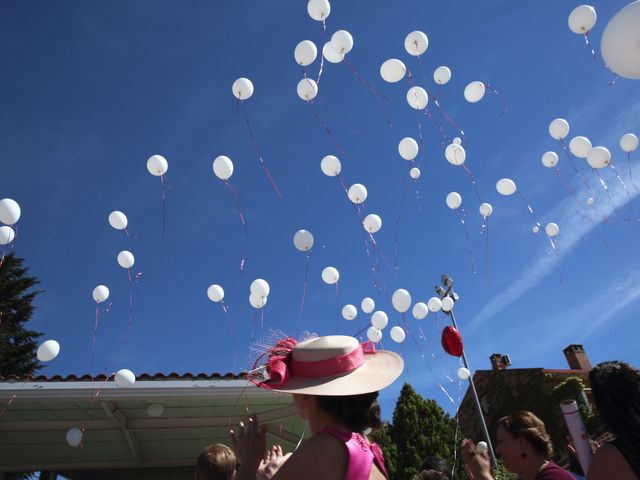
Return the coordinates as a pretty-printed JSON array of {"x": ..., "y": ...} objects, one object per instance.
[
  {"x": 608, "y": 463},
  {"x": 477, "y": 464},
  {"x": 272, "y": 463},
  {"x": 250, "y": 447}
]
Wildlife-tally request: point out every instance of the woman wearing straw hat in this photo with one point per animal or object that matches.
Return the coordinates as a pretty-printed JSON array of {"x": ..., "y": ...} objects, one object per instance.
[{"x": 334, "y": 381}]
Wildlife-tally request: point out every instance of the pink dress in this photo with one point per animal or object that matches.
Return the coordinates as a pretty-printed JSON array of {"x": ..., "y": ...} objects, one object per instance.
[{"x": 362, "y": 454}]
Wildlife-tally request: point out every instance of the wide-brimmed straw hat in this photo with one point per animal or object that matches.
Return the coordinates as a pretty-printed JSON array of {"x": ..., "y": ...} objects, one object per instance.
[{"x": 332, "y": 365}]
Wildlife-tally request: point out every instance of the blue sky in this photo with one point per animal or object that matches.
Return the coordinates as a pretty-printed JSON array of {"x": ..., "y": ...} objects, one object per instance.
[{"x": 91, "y": 89}]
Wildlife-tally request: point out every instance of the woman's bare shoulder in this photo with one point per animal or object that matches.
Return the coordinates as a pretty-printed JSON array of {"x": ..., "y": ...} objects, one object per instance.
[
  {"x": 320, "y": 457},
  {"x": 608, "y": 463}
]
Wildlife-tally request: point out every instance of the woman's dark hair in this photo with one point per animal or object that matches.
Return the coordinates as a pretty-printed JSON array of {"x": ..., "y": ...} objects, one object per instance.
[
  {"x": 431, "y": 475},
  {"x": 615, "y": 387},
  {"x": 436, "y": 464},
  {"x": 356, "y": 412},
  {"x": 526, "y": 425}
]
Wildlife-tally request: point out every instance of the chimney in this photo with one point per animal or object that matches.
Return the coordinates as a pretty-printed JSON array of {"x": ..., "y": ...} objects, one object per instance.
[
  {"x": 499, "y": 361},
  {"x": 577, "y": 357}
]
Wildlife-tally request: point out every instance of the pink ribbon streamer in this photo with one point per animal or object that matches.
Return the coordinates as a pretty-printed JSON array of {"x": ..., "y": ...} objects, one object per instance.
[
  {"x": 381, "y": 98},
  {"x": 259, "y": 152},
  {"x": 304, "y": 288}
]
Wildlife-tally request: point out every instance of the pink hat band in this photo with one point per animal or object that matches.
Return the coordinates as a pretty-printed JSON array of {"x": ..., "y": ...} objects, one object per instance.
[{"x": 332, "y": 366}]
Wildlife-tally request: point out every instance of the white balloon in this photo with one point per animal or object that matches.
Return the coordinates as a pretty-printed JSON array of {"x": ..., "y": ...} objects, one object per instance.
[
  {"x": 48, "y": 350},
  {"x": 124, "y": 378},
  {"x": 256, "y": 301},
  {"x": 260, "y": 288},
  {"x": 455, "y": 154},
  {"x": 303, "y": 240},
  {"x": 552, "y": 229},
  {"x": 223, "y": 167},
  {"x": 414, "y": 173},
  {"x": 330, "y": 54},
  {"x": 559, "y": 128},
  {"x": 580, "y": 146},
  {"x": 374, "y": 335},
  {"x": 417, "y": 98},
  {"x": 242, "y": 88},
  {"x": 357, "y": 193},
  {"x": 629, "y": 142},
  {"x": 9, "y": 211},
  {"x": 457, "y": 141},
  {"x": 397, "y": 334},
  {"x": 482, "y": 448},
  {"x": 401, "y": 300},
  {"x": 408, "y": 148},
  {"x": 118, "y": 220},
  {"x": 420, "y": 310},
  {"x": 486, "y": 209},
  {"x": 155, "y": 410},
  {"x": 392, "y": 70},
  {"x": 215, "y": 293},
  {"x": 7, "y": 234},
  {"x": 535, "y": 229},
  {"x": 447, "y": 304},
  {"x": 464, "y": 373},
  {"x": 157, "y": 165},
  {"x": 367, "y": 305},
  {"x": 416, "y": 43},
  {"x": 590, "y": 201},
  {"x": 342, "y": 42},
  {"x": 599, "y": 157},
  {"x": 305, "y": 53},
  {"x": 379, "y": 320},
  {"x": 319, "y": 10},
  {"x": 434, "y": 304},
  {"x": 442, "y": 75},
  {"x": 126, "y": 259},
  {"x": 74, "y": 437},
  {"x": 582, "y": 19},
  {"x": 330, "y": 275},
  {"x": 349, "y": 312},
  {"x": 372, "y": 223},
  {"x": 454, "y": 200},
  {"x": 307, "y": 89},
  {"x": 474, "y": 92},
  {"x": 620, "y": 43},
  {"x": 100, "y": 293},
  {"x": 506, "y": 186},
  {"x": 549, "y": 159},
  {"x": 331, "y": 166}
]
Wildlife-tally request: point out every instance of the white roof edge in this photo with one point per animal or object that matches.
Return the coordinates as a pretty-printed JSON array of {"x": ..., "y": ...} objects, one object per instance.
[{"x": 143, "y": 389}]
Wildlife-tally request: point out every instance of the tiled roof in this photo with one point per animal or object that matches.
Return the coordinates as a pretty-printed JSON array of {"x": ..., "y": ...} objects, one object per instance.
[{"x": 142, "y": 376}]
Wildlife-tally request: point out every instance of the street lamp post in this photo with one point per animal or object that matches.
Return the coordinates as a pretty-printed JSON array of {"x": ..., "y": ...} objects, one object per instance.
[{"x": 447, "y": 291}]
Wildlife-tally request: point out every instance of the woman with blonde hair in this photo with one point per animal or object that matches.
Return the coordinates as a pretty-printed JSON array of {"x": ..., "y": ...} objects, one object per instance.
[
  {"x": 524, "y": 447},
  {"x": 334, "y": 381}
]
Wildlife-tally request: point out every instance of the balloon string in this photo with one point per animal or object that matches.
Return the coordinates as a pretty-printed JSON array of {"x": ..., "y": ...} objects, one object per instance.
[
  {"x": 346, "y": 124},
  {"x": 232, "y": 329},
  {"x": 337, "y": 308},
  {"x": 99, "y": 391},
  {"x": 569, "y": 190},
  {"x": 485, "y": 226},
  {"x": 321, "y": 69},
  {"x": 408, "y": 329},
  {"x": 505, "y": 107},
  {"x": 382, "y": 98},
  {"x": 526, "y": 202},
  {"x": 304, "y": 288},
  {"x": 95, "y": 332},
  {"x": 164, "y": 206},
  {"x": 588, "y": 44},
  {"x": 236, "y": 200},
  {"x": 463, "y": 216},
  {"x": 570, "y": 157},
  {"x": 13, "y": 397},
  {"x": 613, "y": 80},
  {"x": 626, "y": 190},
  {"x": 258, "y": 151},
  {"x": 397, "y": 225},
  {"x": 444, "y": 138},
  {"x": 606, "y": 189},
  {"x": 418, "y": 201},
  {"x": 472, "y": 178},
  {"x": 326, "y": 128}
]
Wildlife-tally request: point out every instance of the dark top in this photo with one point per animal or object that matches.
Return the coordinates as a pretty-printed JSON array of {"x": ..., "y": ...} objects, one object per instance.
[
  {"x": 554, "y": 472},
  {"x": 631, "y": 455}
]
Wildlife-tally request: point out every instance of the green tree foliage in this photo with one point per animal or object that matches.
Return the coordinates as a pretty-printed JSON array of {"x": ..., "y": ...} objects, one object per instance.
[
  {"x": 18, "y": 345},
  {"x": 420, "y": 428},
  {"x": 382, "y": 436}
]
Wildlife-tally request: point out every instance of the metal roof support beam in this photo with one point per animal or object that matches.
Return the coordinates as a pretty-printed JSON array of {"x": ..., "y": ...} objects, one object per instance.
[{"x": 122, "y": 421}]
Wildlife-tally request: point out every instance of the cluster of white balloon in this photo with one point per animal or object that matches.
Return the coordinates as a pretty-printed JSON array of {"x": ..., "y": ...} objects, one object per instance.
[{"x": 9, "y": 215}]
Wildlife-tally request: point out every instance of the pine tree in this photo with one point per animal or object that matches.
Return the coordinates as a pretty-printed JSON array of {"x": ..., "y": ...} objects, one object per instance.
[
  {"x": 17, "y": 344},
  {"x": 382, "y": 436},
  {"x": 420, "y": 428}
]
